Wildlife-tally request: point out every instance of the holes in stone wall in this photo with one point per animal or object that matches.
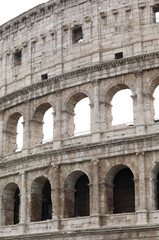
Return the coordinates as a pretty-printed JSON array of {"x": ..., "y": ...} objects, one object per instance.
[
  {"x": 77, "y": 202},
  {"x": 118, "y": 55},
  {"x": 156, "y": 104},
  {"x": 77, "y": 34},
  {"x": 156, "y": 13},
  {"x": 17, "y": 58},
  {"x": 122, "y": 108},
  {"x": 14, "y": 133},
  {"x": 41, "y": 203},
  {"x": 123, "y": 192},
  {"x": 19, "y": 138},
  {"x": 82, "y": 117},
  {"x": 10, "y": 204},
  {"x": 48, "y": 126},
  {"x": 44, "y": 76}
]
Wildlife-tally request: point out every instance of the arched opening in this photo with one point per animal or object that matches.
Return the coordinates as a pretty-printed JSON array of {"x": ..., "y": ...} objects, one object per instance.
[
  {"x": 123, "y": 192},
  {"x": 48, "y": 126},
  {"x": 14, "y": 133},
  {"x": 42, "y": 124},
  {"x": 46, "y": 201},
  {"x": 77, "y": 200},
  {"x": 10, "y": 204},
  {"x": 77, "y": 119},
  {"x": 156, "y": 103},
  {"x": 158, "y": 191},
  {"x": 122, "y": 107},
  {"x": 81, "y": 207},
  {"x": 41, "y": 203},
  {"x": 19, "y": 139},
  {"x": 82, "y": 117}
]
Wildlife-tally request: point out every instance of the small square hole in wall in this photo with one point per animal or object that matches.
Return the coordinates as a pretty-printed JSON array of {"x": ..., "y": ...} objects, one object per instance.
[
  {"x": 118, "y": 55},
  {"x": 77, "y": 34},
  {"x": 17, "y": 58},
  {"x": 156, "y": 13},
  {"x": 44, "y": 76}
]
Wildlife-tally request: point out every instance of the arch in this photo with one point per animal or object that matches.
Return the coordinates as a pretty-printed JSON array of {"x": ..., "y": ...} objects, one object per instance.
[
  {"x": 77, "y": 202},
  {"x": 37, "y": 124},
  {"x": 114, "y": 108},
  {"x": 11, "y": 132},
  {"x": 155, "y": 187},
  {"x": 10, "y": 204},
  {"x": 153, "y": 84},
  {"x": 120, "y": 192},
  {"x": 156, "y": 103},
  {"x": 72, "y": 124},
  {"x": 41, "y": 203}
]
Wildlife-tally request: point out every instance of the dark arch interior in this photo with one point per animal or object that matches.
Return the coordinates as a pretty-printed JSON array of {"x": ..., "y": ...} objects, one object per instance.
[
  {"x": 46, "y": 201},
  {"x": 123, "y": 193},
  {"x": 81, "y": 204},
  {"x": 16, "y": 206}
]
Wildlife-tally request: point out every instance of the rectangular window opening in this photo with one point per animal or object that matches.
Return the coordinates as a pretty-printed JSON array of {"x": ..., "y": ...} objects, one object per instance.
[
  {"x": 156, "y": 13},
  {"x": 44, "y": 76},
  {"x": 77, "y": 35},
  {"x": 17, "y": 58},
  {"x": 118, "y": 55}
]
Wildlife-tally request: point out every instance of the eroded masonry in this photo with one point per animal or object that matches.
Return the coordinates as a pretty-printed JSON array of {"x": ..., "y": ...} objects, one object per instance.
[{"x": 99, "y": 184}]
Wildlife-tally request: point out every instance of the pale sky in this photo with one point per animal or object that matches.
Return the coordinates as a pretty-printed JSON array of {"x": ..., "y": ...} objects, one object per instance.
[{"x": 12, "y": 8}]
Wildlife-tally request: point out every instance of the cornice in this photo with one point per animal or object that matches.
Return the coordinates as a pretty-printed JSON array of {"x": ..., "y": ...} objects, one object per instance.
[
  {"x": 86, "y": 147},
  {"x": 83, "y": 71}
]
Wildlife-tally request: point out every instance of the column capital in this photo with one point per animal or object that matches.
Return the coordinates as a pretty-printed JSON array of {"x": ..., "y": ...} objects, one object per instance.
[
  {"x": 138, "y": 72},
  {"x": 95, "y": 82}
]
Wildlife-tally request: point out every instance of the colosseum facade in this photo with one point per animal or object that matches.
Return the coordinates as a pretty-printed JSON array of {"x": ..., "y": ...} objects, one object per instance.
[{"x": 101, "y": 184}]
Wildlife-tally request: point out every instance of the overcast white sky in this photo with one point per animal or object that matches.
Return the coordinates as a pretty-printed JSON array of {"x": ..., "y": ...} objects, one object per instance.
[{"x": 12, "y": 8}]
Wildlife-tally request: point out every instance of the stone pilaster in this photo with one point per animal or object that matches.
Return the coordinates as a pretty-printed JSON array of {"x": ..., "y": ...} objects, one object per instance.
[
  {"x": 142, "y": 212},
  {"x": 23, "y": 198},
  {"x": 58, "y": 121},
  {"x": 95, "y": 188},
  {"x": 139, "y": 112},
  {"x": 95, "y": 116}
]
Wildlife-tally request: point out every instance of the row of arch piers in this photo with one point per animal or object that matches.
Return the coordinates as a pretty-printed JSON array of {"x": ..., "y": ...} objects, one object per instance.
[
  {"x": 63, "y": 124},
  {"x": 81, "y": 195}
]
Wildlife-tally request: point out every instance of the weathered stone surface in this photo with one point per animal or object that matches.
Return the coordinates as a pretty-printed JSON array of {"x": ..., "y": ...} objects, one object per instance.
[{"x": 43, "y": 64}]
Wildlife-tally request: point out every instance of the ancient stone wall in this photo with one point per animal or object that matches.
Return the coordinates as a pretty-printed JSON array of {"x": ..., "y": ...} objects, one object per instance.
[{"x": 71, "y": 187}]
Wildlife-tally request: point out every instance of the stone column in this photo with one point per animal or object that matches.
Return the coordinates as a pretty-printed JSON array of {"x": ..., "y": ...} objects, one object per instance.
[
  {"x": 26, "y": 128},
  {"x": 142, "y": 212},
  {"x": 23, "y": 199},
  {"x": 58, "y": 121},
  {"x": 55, "y": 194},
  {"x": 95, "y": 189},
  {"x": 139, "y": 113},
  {"x": 1, "y": 211},
  {"x": 149, "y": 108},
  {"x": 1, "y": 133},
  {"x": 95, "y": 116}
]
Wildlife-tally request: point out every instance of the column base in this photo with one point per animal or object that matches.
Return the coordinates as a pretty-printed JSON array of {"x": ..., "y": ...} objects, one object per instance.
[{"x": 141, "y": 217}]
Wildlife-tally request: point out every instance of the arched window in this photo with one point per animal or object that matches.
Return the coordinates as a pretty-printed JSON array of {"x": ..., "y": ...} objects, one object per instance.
[
  {"x": 122, "y": 107},
  {"x": 41, "y": 204},
  {"x": 156, "y": 104},
  {"x": 14, "y": 133},
  {"x": 82, "y": 196},
  {"x": 123, "y": 192},
  {"x": 82, "y": 117},
  {"x": 10, "y": 204},
  {"x": 48, "y": 125},
  {"x": 42, "y": 124},
  {"x": 19, "y": 139},
  {"x": 46, "y": 201},
  {"x": 77, "y": 202}
]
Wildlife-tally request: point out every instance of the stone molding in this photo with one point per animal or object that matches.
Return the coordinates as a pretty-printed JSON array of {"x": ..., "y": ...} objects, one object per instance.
[{"x": 79, "y": 72}]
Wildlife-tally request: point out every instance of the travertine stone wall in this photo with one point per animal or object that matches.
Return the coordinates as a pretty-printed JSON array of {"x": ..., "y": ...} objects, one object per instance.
[{"x": 42, "y": 67}]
